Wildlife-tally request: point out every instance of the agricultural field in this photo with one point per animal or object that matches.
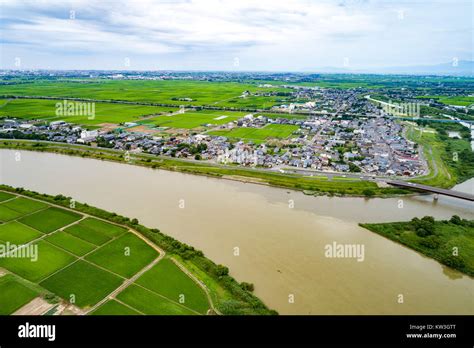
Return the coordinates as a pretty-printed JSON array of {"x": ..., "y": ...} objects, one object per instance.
[
  {"x": 194, "y": 297},
  {"x": 116, "y": 255},
  {"x": 151, "y": 303},
  {"x": 458, "y": 101},
  {"x": 116, "y": 113},
  {"x": 448, "y": 100},
  {"x": 207, "y": 118},
  {"x": 13, "y": 294},
  {"x": 5, "y": 196},
  {"x": 253, "y": 102},
  {"x": 50, "y": 259},
  {"x": 50, "y": 219},
  {"x": 190, "y": 120},
  {"x": 17, "y": 233},
  {"x": 288, "y": 116},
  {"x": 165, "y": 92},
  {"x": 94, "y": 231},
  {"x": 334, "y": 81},
  {"x": 104, "y": 112},
  {"x": 68, "y": 242},
  {"x": 86, "y": 283},
  {"x": 258, "y": 135},
  {"x": 87, "y": 264}
]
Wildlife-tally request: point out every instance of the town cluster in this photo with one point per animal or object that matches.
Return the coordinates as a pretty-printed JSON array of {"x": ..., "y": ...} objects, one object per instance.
[
  {"x": 370, "y": 145},
  {"x": 325, "y": 143}
]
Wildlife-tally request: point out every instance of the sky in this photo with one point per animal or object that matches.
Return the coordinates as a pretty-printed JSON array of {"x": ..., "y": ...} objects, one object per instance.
[{"x": 234, "y": 35}]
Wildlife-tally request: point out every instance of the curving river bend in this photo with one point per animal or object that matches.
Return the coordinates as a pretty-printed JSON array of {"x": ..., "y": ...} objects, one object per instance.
[{"x": 280, "y": 234}]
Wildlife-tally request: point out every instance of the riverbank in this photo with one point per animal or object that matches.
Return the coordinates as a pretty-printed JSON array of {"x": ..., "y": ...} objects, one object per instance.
[
  {"x": 228, "y": 296},
  {"x": 313, "y": 185},
  {"x": 450, "y": 242}
]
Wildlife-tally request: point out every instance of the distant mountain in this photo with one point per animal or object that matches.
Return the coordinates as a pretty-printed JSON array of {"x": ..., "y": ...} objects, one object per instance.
[{"x": 462, "y": 68}]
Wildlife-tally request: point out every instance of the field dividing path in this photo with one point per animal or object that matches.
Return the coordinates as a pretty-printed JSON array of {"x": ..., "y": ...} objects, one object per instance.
[
  {"x": 201, "y": 284},
  {"x": 129, "y": 281},
  {"x": 125, "y": 284}
]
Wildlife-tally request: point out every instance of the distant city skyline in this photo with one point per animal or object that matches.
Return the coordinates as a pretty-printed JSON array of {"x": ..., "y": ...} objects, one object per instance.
[{"x": 233, "y": 35}]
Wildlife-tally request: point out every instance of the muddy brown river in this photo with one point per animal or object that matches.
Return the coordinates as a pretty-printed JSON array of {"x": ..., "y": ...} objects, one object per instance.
[{"x": 274, "y": 238}]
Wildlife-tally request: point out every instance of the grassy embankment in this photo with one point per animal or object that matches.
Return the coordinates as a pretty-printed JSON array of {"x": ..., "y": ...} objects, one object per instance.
[
  {"x": 310, "y": 185},
  {"x": 450, "y": 160},
  {"x": 228, "y": 296},
  {"x": 449, "y": 242}
]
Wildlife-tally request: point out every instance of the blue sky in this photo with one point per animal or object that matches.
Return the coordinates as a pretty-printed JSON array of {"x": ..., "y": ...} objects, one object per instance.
[{"x": 291, "y": 35}]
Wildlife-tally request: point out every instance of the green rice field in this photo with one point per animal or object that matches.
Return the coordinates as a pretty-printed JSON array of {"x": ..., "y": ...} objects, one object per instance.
[
  {"x": 13, "y": 295},
  {"x": 257, "y": 135},
  {"x": 40, "y": 109},
  {"x": 151, "y": 303},
  {"x": 82, "y": 283},
  {"x": 87, "y": 263},
  {"x": 125, "y": 255},
  {"x": 50, "y": 219},
  {"x": 180, "y": 286},
  {"x": 452, "y": 100},
  {"x": 18, "y": 233},
  {"x": 189, "y": 120},
  {"x": 225, "y": 94}
]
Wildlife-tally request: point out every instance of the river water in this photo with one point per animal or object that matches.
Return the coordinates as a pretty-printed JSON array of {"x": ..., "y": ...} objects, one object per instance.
[{"x": 274, "y": 238}]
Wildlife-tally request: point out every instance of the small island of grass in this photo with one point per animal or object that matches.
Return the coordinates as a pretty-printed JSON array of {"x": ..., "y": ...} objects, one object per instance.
[{"x": 450, "y": 242}]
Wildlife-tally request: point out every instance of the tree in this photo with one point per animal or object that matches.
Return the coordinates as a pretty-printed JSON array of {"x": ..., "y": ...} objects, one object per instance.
[
  {"x": 368, "y": 192},
  {"x": 431, "y": 242},
  {"x": 221, "y": 270},
  {"x": 421, "y": 232},
  {"x": 455, "y": 219},
  {"x": 247, "y": 286},
  {"x": 423, "y": 227},
  {"x": 428, "y": 219},
  {"x": 353, "y": 168},
  {"x": 453, "y": 261}
]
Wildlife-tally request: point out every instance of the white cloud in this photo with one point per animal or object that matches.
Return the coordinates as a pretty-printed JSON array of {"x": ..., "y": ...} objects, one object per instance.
[
  {"x": 323, "y": 31},
  {"x": 155, "y": 26}
]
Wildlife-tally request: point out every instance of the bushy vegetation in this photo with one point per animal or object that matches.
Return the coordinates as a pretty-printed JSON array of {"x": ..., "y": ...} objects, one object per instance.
[{"x": 450, "y": 242}]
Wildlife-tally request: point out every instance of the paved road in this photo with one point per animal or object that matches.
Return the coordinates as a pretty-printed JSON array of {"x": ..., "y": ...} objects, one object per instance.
[{"x": 432, "y": 189}]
